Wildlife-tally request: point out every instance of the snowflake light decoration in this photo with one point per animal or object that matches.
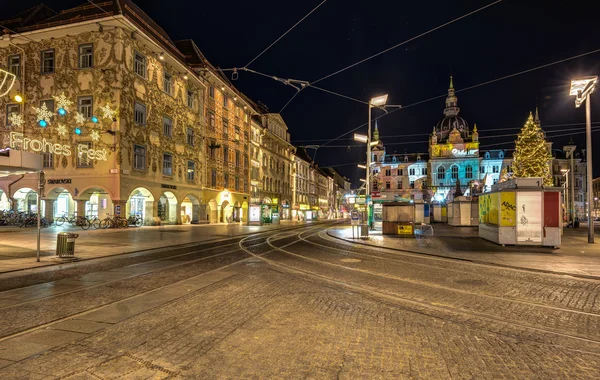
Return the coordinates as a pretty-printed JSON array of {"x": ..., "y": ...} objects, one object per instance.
[
  {"x": 107, "y": 112},
  {"x": 63, "y": 102},
  {"x": 79, "y": 118},
  {"x": 95, "y": 135},
  {"x": 43, "y": 113},
  {"x": 62, "y": 130},
  {"x": 16, "y": 120}
]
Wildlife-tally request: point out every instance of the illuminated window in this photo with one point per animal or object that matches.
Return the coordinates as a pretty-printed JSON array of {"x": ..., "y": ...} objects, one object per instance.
[
  {"x": 441, "y": 172},
  {"x": 82, "y": 159},
  {"x": 191, "y": 170},
  {"x": 469, "y": 172}
]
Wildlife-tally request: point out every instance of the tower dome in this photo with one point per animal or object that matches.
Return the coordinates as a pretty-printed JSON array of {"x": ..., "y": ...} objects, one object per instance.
[{"x": 451, "y": 119}]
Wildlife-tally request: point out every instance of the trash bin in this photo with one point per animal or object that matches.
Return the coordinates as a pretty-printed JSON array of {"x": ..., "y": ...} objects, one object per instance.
[
  {"x": 65, "y": 244},
  {"x": 364, "y": 230}
]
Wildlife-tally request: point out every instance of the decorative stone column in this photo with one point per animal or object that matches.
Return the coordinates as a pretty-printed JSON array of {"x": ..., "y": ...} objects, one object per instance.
[
  {"x": 49, "y": 209},
  {"x": 123, "y": 205},
  {"x": 80, "y": 207}
]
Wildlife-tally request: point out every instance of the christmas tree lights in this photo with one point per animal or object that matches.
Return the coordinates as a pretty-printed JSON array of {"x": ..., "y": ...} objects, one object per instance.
[{"x": 531, "y": 156}]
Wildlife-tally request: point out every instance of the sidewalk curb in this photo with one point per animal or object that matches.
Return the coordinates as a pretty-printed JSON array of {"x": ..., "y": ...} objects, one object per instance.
[
  {"x": 479, "y": 262},
  {"x": 147, "y": 251}
]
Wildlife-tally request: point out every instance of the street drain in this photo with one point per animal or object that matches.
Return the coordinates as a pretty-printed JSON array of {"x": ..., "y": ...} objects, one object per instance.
[{"x": 350, "y": 260}]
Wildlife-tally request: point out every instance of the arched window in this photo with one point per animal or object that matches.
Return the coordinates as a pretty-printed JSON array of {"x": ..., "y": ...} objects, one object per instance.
[
  {"x": 454, "y": 172},
  {"x": 469, "y": 172},
  {"x": 441, "y": 172},
  {"x": 501, "y": 154},
  {"x": 487, "y": 155}
]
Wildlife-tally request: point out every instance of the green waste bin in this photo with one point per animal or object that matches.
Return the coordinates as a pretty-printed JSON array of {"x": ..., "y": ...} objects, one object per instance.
[{"x": 65, "y": 244}]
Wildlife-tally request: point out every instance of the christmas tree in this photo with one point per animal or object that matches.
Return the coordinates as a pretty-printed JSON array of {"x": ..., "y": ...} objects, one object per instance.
[{"x": 531, "y": 156}]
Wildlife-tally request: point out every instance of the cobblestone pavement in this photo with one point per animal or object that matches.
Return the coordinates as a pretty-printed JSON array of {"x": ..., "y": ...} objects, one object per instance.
[{"x": 297, "y": 304}]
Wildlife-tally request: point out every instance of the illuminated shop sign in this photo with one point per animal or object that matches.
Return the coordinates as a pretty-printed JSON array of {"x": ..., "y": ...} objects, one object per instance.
[{"x": 19, "y": 141}]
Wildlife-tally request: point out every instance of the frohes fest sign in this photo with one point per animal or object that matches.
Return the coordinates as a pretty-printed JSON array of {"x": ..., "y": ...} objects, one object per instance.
[{"x": 19, "y": 141}]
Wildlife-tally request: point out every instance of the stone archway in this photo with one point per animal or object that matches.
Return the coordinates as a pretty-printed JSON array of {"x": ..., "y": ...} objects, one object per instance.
[
  {"x": 59, "y": 202},
  {"x": 25, "y": 200},
  {"x": 4, "y": 201},
  {"x": 167, "y": 208},
  {"x": 97, "y": 202},
  {"x": 141, "y": 202},
  {"x": 212, "y": 211},
  {"x": 190, "y": 210},
  {"x": 226, "y": 212},
  {"x": 236, "y": 215}
]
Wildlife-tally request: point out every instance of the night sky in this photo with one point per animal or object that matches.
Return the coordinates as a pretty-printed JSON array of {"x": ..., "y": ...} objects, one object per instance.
[{"x": 506, "y": 38}]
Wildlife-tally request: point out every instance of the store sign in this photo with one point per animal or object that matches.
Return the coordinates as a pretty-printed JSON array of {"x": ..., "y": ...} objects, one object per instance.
[
  {"x": 165, "y": 186},
  {"x": 64, "y": 181},
  {"x": 19, "y": 141},
  {"x": 463, "y": 152}
]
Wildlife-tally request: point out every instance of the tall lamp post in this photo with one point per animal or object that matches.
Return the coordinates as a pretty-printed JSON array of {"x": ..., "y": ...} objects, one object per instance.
[
  {"x": 565, "y": 173},
  {"x": 582, "y": 89}
]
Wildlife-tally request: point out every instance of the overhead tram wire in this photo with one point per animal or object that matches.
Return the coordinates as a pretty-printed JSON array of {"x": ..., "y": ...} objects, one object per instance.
[
  {"x": 284, "y": 34},
  {"x": 389, "y": 49},
  {"x": 468, "y": 88},
  {"x": 407, "y": 41}
]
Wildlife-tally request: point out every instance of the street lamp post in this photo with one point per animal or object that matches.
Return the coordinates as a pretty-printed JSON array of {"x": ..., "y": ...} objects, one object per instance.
[
  {"x": 582, "y": 89},
  {"x": 565, "y": 173}
]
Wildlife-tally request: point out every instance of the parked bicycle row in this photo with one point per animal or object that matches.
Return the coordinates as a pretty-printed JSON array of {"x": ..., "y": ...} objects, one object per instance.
[{"x": 22, "y": 219}]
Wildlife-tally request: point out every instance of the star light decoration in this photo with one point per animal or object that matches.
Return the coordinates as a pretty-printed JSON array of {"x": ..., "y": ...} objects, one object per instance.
[
  {"x": 62, "y": 130},
  {"x": 16, "y": 120},
  {"x": 63, "y": 102},
  {"x": 95, "y": 135},
  {"x": 79, "y": 118},
  {"x": 107, "y": 112},
  {"x": 43, "y": 113}
]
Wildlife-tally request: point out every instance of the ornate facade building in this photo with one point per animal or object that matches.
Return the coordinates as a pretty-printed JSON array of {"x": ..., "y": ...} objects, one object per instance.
[
  {"x": 124, "y": 117},
  {"x": 272, "y": 167}
]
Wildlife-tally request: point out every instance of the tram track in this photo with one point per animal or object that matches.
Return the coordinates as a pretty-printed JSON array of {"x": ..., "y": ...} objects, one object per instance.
[
  {"x": 32, "y": 305},
  {"x": 423, "y": 303}
]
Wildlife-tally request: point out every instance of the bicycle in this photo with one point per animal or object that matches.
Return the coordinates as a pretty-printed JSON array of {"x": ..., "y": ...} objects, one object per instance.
[
  {"x": 94, "y": 221},
  {"x": 135, "y": 220},
  {"x": 113, "y": 222},
  {"x": 80, "y": 221}
]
